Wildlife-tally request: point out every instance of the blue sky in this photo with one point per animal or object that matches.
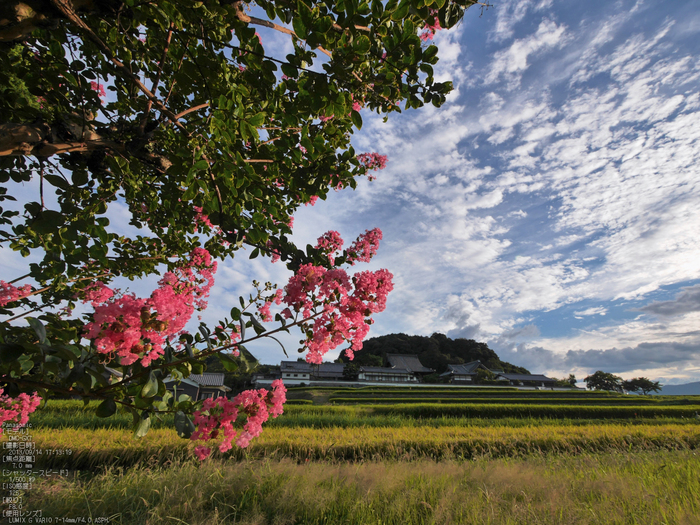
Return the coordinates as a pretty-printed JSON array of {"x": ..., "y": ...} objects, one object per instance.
[{"x": 550, "y": 208}]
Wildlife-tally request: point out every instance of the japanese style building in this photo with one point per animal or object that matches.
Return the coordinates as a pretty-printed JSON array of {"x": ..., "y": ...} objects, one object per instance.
[
  {"x": 297, "y": 372},
  {"x": 199, "y": 386},
  {"x": 402, "y": 369},
  {"x": 466, "y": 375}
]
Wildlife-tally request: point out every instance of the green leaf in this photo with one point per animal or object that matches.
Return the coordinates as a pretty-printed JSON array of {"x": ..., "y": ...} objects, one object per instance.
[
  {"x": 430, "y": 53},
  {"x": 356, "y": 119},
  {"x": 401, "y": 11},
  {"x": 10, "y": 352},
  {"x": 79, "y": 177},
  {"x": 289, "y": 70},
  {"x": 257, "y": 120},
  {"x": 57, "y": 181},
  {"x": 228, "y": 362},
  {"x": 107, "y": 408},
  {"x": 150, "y": 389},
  {"x": 142, "y": 427},
  {"x": 299, "y": 27},
  {"x": 201, "y": 165},
  {"x": 39, "y": 329},
  {"x": 183, "y": 425},
  {"x": 247, "y": 358},
  {"x": 362, "y": 45},
  {"x": 256, "y": 324}
]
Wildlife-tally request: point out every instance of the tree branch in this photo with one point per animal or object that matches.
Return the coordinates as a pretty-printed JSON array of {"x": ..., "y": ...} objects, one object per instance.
[
  {"x": 192, "y": 110},
  {"x": 67, "y": 10},
  {"x": 205, "y": 353},
  {"x": 144, "y": 121},
  {"x": 266, "y": 23}
]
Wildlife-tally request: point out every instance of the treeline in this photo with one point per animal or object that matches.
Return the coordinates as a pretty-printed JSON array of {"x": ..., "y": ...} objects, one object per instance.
[{"x": 436, "y": 352}]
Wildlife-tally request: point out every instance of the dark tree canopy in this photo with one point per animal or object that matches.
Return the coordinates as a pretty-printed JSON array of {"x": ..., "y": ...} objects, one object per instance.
[
  {"x": 604, "y": 381},
  {"x": 436, "y": 351},
  {"x": 641, "y": 384}
]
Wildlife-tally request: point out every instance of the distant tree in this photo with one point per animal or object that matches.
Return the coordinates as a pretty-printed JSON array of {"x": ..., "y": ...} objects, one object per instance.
[
  {"x": 642, "y": 384},
  {"x": 567, "y": 382},
  {"x": 484, "y": 376},
  {"x": 604, "y": 381},
  {"x": 351, "y": 371},
  {"x": 433, "y": 378}
]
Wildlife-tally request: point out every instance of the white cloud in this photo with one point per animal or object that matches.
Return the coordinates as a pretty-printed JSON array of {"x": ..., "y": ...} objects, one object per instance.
[
  {"x": 512, "y": 62},
  {"x": 600, "y": 310}
]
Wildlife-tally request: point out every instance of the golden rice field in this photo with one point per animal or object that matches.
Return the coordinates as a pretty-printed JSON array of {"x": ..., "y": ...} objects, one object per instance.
[
  {"x": 377, "y": 465},
  {"x": 91, "y": 449}
]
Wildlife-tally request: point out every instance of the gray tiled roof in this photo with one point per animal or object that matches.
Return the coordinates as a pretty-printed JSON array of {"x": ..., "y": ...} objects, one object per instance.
[
  {"x": 322, "y": 370},
  {"x": 208, "y": 379},
  {"x": 526, "y": 377},
  {"x": 383, "y": 370},
  {"x": 330, "y": 370},
  {"x": 407, "y": 362},
  {"x": 466, "y": 368},
  {"x": 297, "y": 366}
]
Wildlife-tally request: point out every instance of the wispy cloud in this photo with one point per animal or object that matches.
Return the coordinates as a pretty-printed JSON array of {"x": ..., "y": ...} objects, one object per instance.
[{"x": 513, "y": 61}]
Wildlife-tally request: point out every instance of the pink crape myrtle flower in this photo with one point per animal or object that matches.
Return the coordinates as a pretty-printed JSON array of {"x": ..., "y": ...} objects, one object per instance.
[
  {"x": 341, "y": 306},
  {"x": 372, "y": 161},
  {"x": 201, "y": 218},
  {"x": 134, "y": 328},
  {"x": 10, "y": 293},
  {"x": 96, "y": 86},
  {"x": 17, "y": 410},
  {"x": 365, "y": 247},
  {"x": 218, "y": 416},
  {"x": 329, "y": 243},
  {"x": 97, "y": 293},
  {"x": 264, "y": 311},
  {"x": 429, "y": 29}
]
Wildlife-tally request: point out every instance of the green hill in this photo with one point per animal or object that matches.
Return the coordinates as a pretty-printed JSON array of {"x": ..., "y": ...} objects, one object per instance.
[{"x": 436, "y": 351}]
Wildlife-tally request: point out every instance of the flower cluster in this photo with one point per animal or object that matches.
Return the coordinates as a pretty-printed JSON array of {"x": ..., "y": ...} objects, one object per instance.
[
  {"x": 372, "y": 161},
  {"x": 341, "y": 306},
  {"x": 96, "y": 86},
  {"x": 10, "y": 294},
  {"x": 219, "y": 415},
  {"x": 329, "y": 243},
  {"x": 97, "y": 293},
  {"x": 135, "y": 328},
  {"x": 429, "y": 29},
  {"x": 17, "y": 410},
  {"x": 365, "y": 246},
  {"x": 201, "y": 218}
]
